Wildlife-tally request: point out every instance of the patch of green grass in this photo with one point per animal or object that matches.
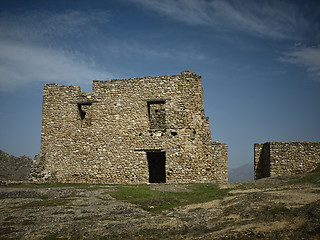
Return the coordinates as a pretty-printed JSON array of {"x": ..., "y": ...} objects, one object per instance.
[
  {"x": 157, "y": 201},
  {"x": 45, "y": 203},
  {"x": 311, "y": 178}
]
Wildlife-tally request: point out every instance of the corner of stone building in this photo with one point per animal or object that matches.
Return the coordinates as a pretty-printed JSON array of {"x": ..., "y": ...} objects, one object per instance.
[
  {"x": 261, "y": 160},
  {"x": 220, "y": 158}
]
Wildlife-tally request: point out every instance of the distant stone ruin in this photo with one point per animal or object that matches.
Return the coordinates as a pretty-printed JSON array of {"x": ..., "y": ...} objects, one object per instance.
[
  {"x": 278, "y": 158},
  {"x": 141, "y": 130}
]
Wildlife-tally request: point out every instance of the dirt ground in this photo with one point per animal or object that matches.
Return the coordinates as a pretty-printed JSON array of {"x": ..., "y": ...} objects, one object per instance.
[{"x": 266, "y": 209}]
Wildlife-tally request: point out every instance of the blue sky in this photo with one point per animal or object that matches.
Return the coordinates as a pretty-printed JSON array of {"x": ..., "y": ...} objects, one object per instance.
[{"x": 259, "y": 61}]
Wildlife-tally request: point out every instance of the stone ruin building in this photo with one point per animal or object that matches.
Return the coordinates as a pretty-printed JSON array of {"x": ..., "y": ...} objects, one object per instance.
[
  {"x": 141, "y": 130},
  {"x": 279, "y": 158}
]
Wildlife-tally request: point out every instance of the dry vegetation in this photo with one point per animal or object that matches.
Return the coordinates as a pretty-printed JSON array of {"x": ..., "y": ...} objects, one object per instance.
[{"x": 274, "y": 208}]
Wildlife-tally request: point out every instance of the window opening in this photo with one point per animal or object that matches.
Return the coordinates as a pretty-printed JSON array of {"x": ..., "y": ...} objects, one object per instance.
[
  {"x": 82, "y": 107},
  {"x": 157, "y": 114},
  {"x": 174, "y": 133}
]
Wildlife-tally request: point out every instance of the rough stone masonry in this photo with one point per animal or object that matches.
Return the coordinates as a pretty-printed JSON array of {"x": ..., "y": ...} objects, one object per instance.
[
  {"x": 279, "y": 158},
  {"x": 149, "y": 129}
]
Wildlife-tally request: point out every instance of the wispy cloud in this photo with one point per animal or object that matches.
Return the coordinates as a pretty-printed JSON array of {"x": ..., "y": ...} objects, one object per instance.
[
  {"x": 273, "y": 19},
  {"x": 136, "y": 49},
  {"x": 28, "y": 52},
  {"x": 43, "y": 25},
  {"x": 21, "y": 64},
  {"x": 192, "y": 12},
  {"x": 308, "y": 57}
]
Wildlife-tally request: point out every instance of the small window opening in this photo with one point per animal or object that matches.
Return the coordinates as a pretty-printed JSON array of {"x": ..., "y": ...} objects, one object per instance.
[
  {"x": 174, "y": 133},
  {"x": 82, "y": 112},
  {"x": 157, "y": 114},
  {"x": 193, "y": 134}
]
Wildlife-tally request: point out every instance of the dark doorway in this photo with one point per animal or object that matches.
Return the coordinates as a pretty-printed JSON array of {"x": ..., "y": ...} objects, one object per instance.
[{"x": 157, "y": 167}]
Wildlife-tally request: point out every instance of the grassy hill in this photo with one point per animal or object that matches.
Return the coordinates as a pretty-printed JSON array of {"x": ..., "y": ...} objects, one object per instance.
[{"x": 274, "y": 208}]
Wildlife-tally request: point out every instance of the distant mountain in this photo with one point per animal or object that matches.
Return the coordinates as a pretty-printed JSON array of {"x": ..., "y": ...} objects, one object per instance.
[
  {"x": 14, "y": 168},
  {"x": 242, "y": 173}
]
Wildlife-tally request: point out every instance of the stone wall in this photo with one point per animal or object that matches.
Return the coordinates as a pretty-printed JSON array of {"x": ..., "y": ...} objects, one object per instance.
[
  {"x": 278, "y": 158},
  {"x": 120, "y": 131},
  {"x": 220, "y": 158}
]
